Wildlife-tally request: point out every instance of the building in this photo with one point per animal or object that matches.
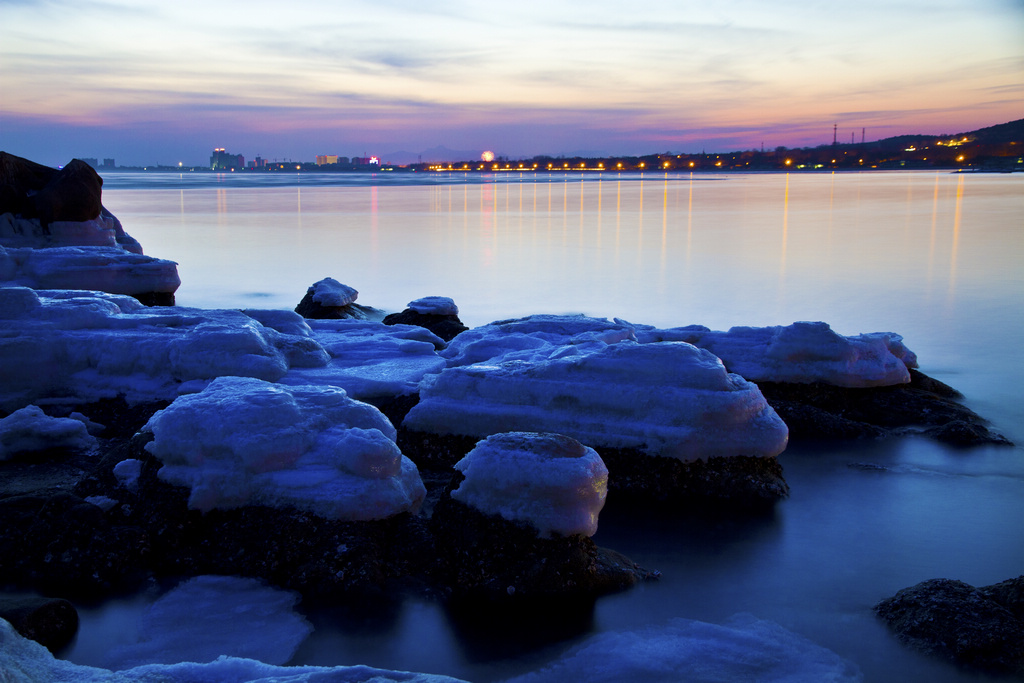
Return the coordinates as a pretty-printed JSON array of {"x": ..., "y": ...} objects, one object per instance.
[
  {"x": 325, "y": 159},
  {"x": 107, "y": 163},
  {"x": 221, "y": 160},
  {"x": 91, "y": 161}
]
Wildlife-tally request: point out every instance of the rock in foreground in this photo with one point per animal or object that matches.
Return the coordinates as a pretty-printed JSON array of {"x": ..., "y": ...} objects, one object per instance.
[{"x": 979, "y": 627}]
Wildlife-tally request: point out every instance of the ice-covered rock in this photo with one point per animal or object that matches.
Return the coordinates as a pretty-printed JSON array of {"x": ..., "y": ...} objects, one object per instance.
[
  {"x": 803, "y": 352},
  {"x": 30, "y": 430},
  {"x": 331, "y": 293},
  {"x": 370, "y": 359},
  {"x": 668, "y": 399},
  {"x": 208, "y": 617},
  {"x": 102, "y": 268},
  {"x": 55, "y": 234},
  {"x": 127, "y": 473},
  {"x": 84, "y": 346},
  {"x": 25, "y": 660},
  {"x": 742, "y": 649},
  {"x": 328, "y": 299},
  {"x": 548, "y": 480},
  {"x": 242, "y": 442},
  {"x": 434, "y": 305}
]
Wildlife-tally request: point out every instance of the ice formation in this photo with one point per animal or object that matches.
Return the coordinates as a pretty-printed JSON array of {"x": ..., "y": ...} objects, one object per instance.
[
  {"x": 669, "y": 399},
  {"x": 22, "y": 659},
  {"x": 127, "y": 473},
  {"x": 210, "y": 616},
  {"x": 803, "y": 352},
  {"x": 548, "y": 480},
  {"x": 83, "y": 346},
  {"x": 30, "y": 430},
  {"x": 332, "y": 294},
  {"x": 370, "y": 359},
  {"x": 743, "y": 649},
  {"x": 95, "y": 254},
  {"x": 242, "y": 441},
  {"x": 434, "y": 305}
]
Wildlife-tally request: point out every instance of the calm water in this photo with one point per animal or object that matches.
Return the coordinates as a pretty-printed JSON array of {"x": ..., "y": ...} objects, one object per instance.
[{"x": 936, "y": 257}]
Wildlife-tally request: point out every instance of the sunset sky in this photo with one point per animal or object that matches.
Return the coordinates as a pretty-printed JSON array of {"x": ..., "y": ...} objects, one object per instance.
[{"x": 162, "y": 83}]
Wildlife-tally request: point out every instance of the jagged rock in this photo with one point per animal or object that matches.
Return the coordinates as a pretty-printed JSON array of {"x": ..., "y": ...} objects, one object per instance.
[
  {"x": 51, "y": 622},
  {"x": 965, "y": 624}
]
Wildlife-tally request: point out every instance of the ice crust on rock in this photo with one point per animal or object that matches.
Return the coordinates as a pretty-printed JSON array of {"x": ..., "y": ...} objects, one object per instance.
[
  {"x": 332, "y": 294},
  {"x": 30, "y": 430},
  {"x": 434, "y": 305},
  {"x": 742, "y": 649},
  {"x": 83, "y": 346},
  {"x": 370, "y": 359},
  {"x": 242, "y": 441},
  {"x": 103, "y": 231},
  {"x": 803, "y": 352},
  {"x": 670, "y": 399},
  {"x": 548, "y": 480},
  {"x": 26, "y": 660},
  {"x": 106, "y": 269}
]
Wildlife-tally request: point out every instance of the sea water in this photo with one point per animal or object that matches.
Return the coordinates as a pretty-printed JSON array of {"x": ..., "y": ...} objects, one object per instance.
[{"x": 936, "y": 257}]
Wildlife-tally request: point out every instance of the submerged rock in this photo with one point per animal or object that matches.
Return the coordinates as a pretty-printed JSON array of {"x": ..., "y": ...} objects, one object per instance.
[{"x": 978, "y": 627}]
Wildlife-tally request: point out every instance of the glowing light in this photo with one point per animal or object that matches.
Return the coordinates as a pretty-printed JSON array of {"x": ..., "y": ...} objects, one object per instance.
[
  {"x": 487, "y": 156},
  {"x": 788, "y": 162}
]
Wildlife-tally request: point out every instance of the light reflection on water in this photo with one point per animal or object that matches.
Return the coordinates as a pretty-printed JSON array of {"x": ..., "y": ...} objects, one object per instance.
[{"x": 933, "y": 256}]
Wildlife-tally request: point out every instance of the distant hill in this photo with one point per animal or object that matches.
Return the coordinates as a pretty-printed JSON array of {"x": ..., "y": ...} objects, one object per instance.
[{"x": 993, "y": 135}]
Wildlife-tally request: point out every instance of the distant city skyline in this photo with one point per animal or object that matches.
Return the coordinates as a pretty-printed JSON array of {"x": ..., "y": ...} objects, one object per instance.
[{"x": 166, "y": 83}]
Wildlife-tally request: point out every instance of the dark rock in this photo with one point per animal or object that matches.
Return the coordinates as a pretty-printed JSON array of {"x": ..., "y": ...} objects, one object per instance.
[
  {"x": 447, "y": 327},
  {"x": 20, "y": 178},
  {"x": 955, "y": 620},
  {"x": 1009, "y": 594},
  {"x": 51, "y": 622},
  {"x": 485, "y": 557},
  {"x": 737, "y": 483},
  {"x": 826, "y": 412},
  {"x": 74, "y": 194},
  {"x": 59, "y": 543}
]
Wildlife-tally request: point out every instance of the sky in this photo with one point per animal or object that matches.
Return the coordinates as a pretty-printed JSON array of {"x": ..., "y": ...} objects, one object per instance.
[{"x": 167, "y": 82}]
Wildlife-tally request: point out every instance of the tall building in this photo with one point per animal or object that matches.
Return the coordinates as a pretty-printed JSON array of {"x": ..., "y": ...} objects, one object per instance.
[
  {"x": 221, "y": 160},
  {"x": 107, "y": 163},
  {"x": 324, "y": 159}
]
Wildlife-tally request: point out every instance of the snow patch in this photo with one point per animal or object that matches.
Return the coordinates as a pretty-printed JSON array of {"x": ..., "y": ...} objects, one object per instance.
[
  {"x": 434, "y": 305},
  {"x": 332, "y": 294}
]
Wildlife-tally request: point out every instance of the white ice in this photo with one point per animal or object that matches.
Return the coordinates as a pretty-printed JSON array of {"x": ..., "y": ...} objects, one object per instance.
[
  {"x": 22, "y": 659},
  {"x": 435, "y": 305},
  {"x": 30, "y": 430},
  {"x": 242, "y": 441},
  {"x": 127, "y": 473},
  {"x": 548, "y": 480},
  {"x": 93, "y": 255},
  {"x": 803, "y": 352},
  {"x": 669, "y": 399},
  {"x": 743, "y": 649},
  {"x": 82, "y": 346},
  {"x": 332, "y": 294}
]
